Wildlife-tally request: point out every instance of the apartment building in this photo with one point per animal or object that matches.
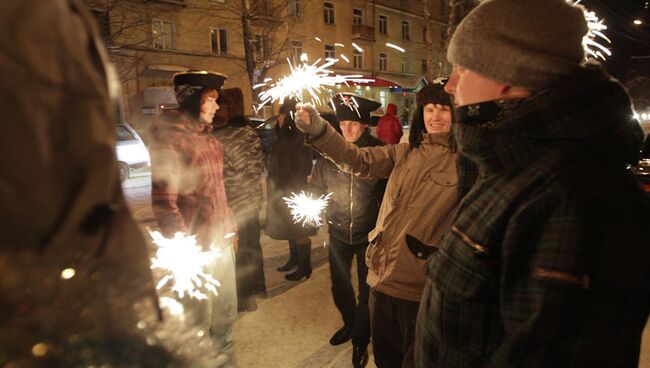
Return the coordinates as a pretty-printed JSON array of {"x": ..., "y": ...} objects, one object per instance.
[{"x": 150, "y": 40}]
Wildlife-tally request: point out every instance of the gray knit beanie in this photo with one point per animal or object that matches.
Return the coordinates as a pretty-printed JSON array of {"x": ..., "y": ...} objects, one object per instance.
[{"x": 524, "y": 43}]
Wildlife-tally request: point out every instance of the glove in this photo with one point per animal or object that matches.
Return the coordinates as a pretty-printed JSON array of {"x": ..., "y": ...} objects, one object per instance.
[{"x": 309, "y": 121}]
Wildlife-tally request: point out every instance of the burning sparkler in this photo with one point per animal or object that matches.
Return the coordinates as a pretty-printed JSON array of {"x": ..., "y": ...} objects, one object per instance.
[
  {"x": 307, "y": 79},
  {"x": 184, "y": 263},
  {"x": 306, "y": 209},
  {"x": 590, "y": 42}
]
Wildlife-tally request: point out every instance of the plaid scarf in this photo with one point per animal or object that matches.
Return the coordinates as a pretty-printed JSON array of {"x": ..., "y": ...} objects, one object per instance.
[{"x": 589, "y": 110}]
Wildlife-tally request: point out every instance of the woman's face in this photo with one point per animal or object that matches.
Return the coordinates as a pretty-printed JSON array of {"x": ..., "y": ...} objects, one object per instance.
[
  {"x": 209, "y": 106},
  {"x": 437, "y": 118}
]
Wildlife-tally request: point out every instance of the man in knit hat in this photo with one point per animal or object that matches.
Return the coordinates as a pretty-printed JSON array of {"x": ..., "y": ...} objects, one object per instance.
[{"x": 546, "y": 263}]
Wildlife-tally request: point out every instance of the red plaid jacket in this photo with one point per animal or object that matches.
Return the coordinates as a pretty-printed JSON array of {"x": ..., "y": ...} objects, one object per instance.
[{"x": 187, "y": 191}]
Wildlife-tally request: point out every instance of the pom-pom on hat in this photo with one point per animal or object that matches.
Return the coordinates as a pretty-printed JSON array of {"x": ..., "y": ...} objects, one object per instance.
[{"x": 348, "y": 106}]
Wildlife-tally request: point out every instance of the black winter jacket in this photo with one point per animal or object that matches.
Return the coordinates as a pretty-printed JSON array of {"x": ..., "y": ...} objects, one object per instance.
[{"x": 354, "y": 205}]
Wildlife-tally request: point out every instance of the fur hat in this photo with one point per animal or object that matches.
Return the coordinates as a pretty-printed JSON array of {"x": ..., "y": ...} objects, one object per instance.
[
  {"x": 288, "y": 105},
  {"x": 233, "y": 100},
  {"x": 434, "y": 93},
  {"x": 524, "y": 43},
  {"x": 349, "y": 106}
]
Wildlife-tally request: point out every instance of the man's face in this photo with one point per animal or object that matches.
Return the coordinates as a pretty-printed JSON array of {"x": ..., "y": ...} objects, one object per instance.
[
  {"x": 437, "y": 118},
  {"x": 352, "y": 130},
  {"x": 469, "y": 87},
  {"x": 209, "y": 107}
]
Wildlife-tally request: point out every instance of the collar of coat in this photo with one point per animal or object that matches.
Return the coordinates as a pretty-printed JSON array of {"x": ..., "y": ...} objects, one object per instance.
[
  {"x": 587, "y": 109},
  {"x": 433, "y": 139}
]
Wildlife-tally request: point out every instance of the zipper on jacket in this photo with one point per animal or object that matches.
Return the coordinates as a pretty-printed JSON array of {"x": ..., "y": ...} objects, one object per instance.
[{"x": 351, "y": 205}]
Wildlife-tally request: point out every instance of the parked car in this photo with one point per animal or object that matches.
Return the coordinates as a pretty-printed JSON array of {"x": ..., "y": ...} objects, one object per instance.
[
  {"x": 131, "y": 152},
  {"x": 264, "y": 129},
  {"x": 642, "y": 169}
]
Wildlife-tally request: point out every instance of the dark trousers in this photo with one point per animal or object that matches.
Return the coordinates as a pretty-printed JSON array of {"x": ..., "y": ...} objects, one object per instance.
[
  {"x": 393, "y": 330},
  {"x": 354, "y": 311},
  {"x": 250, "y": 262}
]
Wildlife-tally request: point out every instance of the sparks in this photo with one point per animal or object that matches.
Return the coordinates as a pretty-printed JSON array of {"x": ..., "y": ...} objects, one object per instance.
[
  {"x": 591, "y": 41},
  {"x": 388, "y": 44},
  {"x": 305, "y": 209},
  {"x": 345, "y": 58},
  {"x": 318, "y": 39},
  {"x": 184, "y": 263},
  {"x": 305, "y": 82},
  {"x": 339, "y": 45},
  {"x": 356, "y": 47}
]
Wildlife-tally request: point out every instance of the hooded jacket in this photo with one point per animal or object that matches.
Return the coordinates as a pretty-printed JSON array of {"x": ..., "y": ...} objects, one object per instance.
[
  {"x": 546, "y": 264},
  {"x": 389, "y": 128},
  {"x": 420, "y": 199},
  {"x": 353, "y": 208}
]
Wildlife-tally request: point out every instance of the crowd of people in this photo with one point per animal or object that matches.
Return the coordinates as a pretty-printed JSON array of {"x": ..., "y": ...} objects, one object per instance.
[{"x": 507, "y": 231}]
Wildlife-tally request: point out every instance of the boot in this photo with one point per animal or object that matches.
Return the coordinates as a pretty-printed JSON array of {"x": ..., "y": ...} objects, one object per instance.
[
  {"x": 359, "y": 355},
  {"x": 293, "y": 258},
  {"x": 304, "y": 263}
]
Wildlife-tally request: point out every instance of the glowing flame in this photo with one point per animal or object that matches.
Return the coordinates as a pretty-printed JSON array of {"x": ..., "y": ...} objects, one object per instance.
[
  {"x": 184, "y": 262},
  {"x": 304, "y": 208},
  {"x": 306, "y": 79}
]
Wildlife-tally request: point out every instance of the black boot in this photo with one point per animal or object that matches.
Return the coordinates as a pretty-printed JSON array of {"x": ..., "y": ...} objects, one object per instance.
[
  {"x": 359, "y": 355},
  {"x": 341, "y": 336},
  {"x": 293, "y": 258},
  {"x": 304, "y": 263}
]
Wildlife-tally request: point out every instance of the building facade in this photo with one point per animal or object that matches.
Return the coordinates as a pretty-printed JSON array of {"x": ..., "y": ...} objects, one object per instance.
[{"x": 150, "y": 40}]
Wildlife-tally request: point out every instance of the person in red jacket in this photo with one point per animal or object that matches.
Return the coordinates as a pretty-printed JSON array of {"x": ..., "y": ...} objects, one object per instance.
[{"x": 389, "y": 128}]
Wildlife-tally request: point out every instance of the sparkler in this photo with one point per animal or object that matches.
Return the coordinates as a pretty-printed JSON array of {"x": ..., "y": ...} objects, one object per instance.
[
  {"x": 184, "y": 263},
  {"x": 388, "y": 44},
  {"x": 304, "y": 208},
  {"x": 307, "y": 79},
  {"x": 590, "y": 42}
]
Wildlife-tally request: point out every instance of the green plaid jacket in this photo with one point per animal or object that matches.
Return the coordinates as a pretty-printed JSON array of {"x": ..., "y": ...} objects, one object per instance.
[{"x": 548, "y": 261}]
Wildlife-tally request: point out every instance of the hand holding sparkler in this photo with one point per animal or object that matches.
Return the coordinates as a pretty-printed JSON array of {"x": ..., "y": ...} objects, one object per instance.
[{"x": 308, "y": 120}]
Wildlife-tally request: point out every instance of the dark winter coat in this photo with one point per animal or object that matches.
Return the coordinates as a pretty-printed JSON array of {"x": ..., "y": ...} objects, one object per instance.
[
  {"x": 354, "y": 205},
  {"x": 243, "y": 165},
  {"x": 389, "y": 128},
  {"x": 289, "y": 163},
  {"x": 187, "y": 186},
  {"x": 547, "y": 262}
]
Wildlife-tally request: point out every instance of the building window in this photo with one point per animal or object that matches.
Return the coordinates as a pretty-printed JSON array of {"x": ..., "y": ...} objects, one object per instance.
[
  {"x": 163, "y": 34},
  {"x": 406, "y": 30},
  {"x": 405, "y": 64},
  {"x": 383, "y": 61},
  {"x": 357, "y": 16},
  {"x": 424, "y": 66},
  {"x": 382, "y": 98},
  {"x": 330, "y": 53},
  {"x": 296, "y": 51},
  {"x": 219, "y": 40},
  {"x": 295, "y": 8},
  {"x": 262, "y": 47},
  {"x": 328, "y": 13},
  {"x": 358, "y": 60},
  {"x": 383, "y": 24}
]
